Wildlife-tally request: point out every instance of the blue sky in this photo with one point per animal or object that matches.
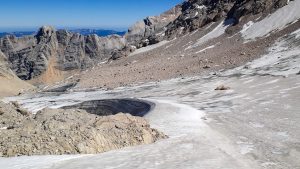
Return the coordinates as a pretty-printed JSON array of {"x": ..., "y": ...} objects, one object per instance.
[{"x": 25, "y": 14}]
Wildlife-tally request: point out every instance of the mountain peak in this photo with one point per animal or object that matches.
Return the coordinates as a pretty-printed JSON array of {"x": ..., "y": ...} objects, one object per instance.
[{"x": 45, "y": 32}]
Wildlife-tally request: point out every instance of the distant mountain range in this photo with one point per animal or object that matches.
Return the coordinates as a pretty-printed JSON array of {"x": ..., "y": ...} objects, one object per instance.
[
  {"x": 17, "y": 34},
  {"x": 99, "y": 32}
]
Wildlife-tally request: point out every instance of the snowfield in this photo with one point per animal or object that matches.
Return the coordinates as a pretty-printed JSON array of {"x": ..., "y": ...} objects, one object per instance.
[{"x": 276, "y": 21}]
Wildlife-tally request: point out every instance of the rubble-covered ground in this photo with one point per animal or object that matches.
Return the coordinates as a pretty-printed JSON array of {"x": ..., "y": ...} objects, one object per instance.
[{"x": 71, "y": 131}]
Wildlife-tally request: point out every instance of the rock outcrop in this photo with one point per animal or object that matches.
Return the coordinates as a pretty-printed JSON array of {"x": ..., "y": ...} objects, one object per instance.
[
  {"x": 253, "y": 7},
  {"x": 31, "y": 56},
  {"x": 151, "y": 30},
  {"x": 4, "y": 67},
  {"x": 198, "y": 13},
  {"x": 10, "y": 84},
  {"x": 74, "y": 131}
]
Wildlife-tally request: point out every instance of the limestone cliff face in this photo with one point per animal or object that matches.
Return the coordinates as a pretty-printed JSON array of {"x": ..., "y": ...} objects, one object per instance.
[
  {"x": 10, "y": 84},
  {"x": 151, "y": 29},
  {"x": 32, "y": 56},
  {"x": 4, "y": 68},
  {"x": 28, "y": 56}
]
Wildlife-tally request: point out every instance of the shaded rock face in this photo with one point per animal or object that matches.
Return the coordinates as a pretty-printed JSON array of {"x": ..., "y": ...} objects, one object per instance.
[
  {"x": 73, "y": 131},
  {"x": 4, "y": 67},
  {"x": 198, "y": 13},
  {"x": 30, "y": 56},
  {"x": 151, "y": 30},
  {"x": 245, "y": 7}
]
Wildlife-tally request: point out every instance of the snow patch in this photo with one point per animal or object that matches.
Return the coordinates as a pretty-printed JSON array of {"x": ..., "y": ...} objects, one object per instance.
[
  {"x": 149, "y": 48},
  {"x": 275, "y": 21},
  {"x": 247, "y": 26},
  {"x": 218, "y": 31},
  {"x": 296, "y": 33},
  {"x": 196, "y": 14},
  {"x": 210, "y": 47},
  {"x": 200, "y": 7}
]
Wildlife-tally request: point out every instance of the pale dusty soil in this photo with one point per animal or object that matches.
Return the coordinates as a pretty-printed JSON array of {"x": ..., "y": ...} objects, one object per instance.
[
  {"x": 172, "y": 60},
  {"x": 12, "y": 86}
]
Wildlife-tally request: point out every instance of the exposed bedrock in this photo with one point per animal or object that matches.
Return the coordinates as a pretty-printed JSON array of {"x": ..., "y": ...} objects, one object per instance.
[
  {"x": 151, "y": 29},
  {"x": 31, "y": 56},
  {"x": 198, "y": 13},
  {"x": 113, "y": 106}
]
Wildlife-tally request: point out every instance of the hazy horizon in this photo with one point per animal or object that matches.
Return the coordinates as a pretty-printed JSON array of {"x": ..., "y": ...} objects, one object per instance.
[{"x": 32, "y": 29}]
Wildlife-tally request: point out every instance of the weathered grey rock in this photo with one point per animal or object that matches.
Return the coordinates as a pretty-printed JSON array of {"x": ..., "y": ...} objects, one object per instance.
[
  {"x": 30, "y": 56},
  {"x": 53, "y": 131},
  {"x": 4, "y": 68},
  {"x": 243, "y": 7},
  {"x": 151, "y": 27},
  {"x": 198, "y": 13}
]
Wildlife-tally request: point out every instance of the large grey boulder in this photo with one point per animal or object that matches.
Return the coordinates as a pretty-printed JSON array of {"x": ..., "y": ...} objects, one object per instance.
[{"x": 4, "y": 67}]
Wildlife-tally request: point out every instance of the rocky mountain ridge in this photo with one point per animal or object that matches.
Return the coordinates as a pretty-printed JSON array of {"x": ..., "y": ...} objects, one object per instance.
[
  {"x": 31, "y": 56},
  {"x": 52, "y": 52}
]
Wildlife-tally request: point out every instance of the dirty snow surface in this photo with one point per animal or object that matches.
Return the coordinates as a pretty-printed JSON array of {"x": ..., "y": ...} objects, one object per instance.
[
  {"x": 216, "y": 32},
  {"x": 149, "y": 48},
  {"x": 275, "y": 21},
  {"x": 254, "y": 125}
]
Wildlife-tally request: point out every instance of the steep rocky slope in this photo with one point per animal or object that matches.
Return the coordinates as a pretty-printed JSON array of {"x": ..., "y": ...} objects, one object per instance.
[
  {"x": 9, "y": 83},
  {"x": 214, "y": 46}
]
